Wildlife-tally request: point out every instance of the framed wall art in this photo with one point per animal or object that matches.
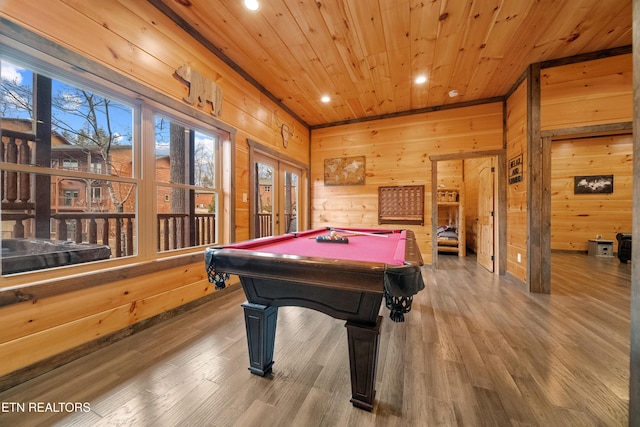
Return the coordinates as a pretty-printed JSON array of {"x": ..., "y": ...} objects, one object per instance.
[
  {"x": 345, "y": 171},
  {"x": 593, "y": 184}
]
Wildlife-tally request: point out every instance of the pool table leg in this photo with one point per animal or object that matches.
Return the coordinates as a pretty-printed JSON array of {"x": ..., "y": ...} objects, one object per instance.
[
  {"x": 364, "y": 342},
  {"x": 260, "y": 321}
]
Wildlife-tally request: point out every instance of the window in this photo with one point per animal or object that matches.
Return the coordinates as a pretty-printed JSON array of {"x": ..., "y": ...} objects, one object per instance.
[
  {"x": 71, "y": 128},
  {"x": 70, "y": 165},
  {"x": 89, "y": 177},
  {"x": 187, "y": 177},
  {"x": 96, "y": 196},
  {"x": 96, "y": 167},
  {"x": 70, "y": 197}
]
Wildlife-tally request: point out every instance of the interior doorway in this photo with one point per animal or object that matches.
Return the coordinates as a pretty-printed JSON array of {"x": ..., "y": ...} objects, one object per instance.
[
  {"x": 576, "y": 216},
  {"x": 484, "y": 206}
]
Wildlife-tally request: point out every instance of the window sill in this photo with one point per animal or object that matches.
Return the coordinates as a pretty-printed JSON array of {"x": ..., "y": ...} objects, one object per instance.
[{"x": 53, "y": 287}]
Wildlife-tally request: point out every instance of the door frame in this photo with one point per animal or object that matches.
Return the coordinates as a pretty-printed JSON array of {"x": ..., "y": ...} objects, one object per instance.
[
  {"x": 539, "y": 273},
  {"x": 500, "y": 222},
  {"x": 255, "y": 149}
]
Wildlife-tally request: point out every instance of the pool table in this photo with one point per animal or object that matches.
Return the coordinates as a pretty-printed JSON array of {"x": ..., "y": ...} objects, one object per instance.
[{"x": 343, "y": 273}]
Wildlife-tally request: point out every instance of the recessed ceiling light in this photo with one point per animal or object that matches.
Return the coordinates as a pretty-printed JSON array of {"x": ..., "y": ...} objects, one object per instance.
[
  {"x": 421, "y": 79},
  {"x": 453, "y": 93},
  {"x": 325, "y": 98},
  {"x": 252, "y": 4}
]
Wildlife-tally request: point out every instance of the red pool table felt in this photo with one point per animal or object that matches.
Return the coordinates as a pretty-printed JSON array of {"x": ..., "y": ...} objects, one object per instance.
[{"x": 388, "y": 247}]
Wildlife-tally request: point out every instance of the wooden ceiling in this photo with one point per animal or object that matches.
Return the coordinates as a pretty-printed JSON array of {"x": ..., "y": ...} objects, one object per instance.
[{"x": 365, "y": 54}]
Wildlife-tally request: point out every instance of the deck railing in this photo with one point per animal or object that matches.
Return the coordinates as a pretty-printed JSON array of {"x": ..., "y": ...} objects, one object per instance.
[
  {"x": 118, "y": 230},
  {"x": 15, "y": 187},
  {"x": 107, "y": 228},
  {"x": 173, "y": 229},
  {"x": 264, "y": 224}
]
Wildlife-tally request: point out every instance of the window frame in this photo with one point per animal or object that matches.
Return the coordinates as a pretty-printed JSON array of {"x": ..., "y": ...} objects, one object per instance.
[
  {"x": 193, "y": 128},
  {"x": 45, "y": 57}
]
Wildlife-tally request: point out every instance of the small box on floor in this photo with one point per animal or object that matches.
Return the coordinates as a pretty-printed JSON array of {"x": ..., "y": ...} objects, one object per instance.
[{"x": 599, "y": 247}]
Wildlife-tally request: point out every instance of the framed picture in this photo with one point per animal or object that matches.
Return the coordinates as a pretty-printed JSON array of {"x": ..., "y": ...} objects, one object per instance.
[
  {"x": 344, "y": 171},
  {"x": 593, "y": 184}
]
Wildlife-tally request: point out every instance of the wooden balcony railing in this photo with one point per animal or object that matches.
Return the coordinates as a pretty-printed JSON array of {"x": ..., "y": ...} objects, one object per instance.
[
  {"x": 113, "y": 229},
  {"x": 173, "y": 230},
  {"x": 264, "y": 224},
  {"x": 15, "y": 187},
  {"x": 117, "y": 230}
]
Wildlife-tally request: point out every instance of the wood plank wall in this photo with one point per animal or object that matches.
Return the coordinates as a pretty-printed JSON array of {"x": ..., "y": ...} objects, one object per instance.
[
  {"x": 587, "y": 93},
  {"x": 517, "y": 193},
  {"x": 451, "y": 174},
  {"x": 472, "y": 169},
  {"x": 43, "y": 328},
  {"x": 397, "y": 153},
  {"x": 576, "y": 218},
  {"x": 135, "y": 40}
]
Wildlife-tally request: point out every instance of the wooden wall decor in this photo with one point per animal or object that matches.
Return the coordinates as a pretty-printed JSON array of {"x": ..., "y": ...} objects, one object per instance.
[
  {"x": 401, "y": 205},
  {"x": 594, "y": 184},
  {"x": 201, "y": 90},
  {"x": 515, "y": 170},
  {"x": 285, "y": 132},
  {"x": 345, "y": 170}
]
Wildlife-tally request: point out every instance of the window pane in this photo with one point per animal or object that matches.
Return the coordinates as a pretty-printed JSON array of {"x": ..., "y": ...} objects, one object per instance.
[
  {"x": 60, "y": 219},
  {"x": 91, "y": 133},
  {"x": 16, "y": 117},
  {"x": 16, "y": 97},
  {"x": 186, "y": 177},
  {"x": 174, "y": 154},
  {"x": 172, "y": 151},
  {"x": 83, "y": 224},
  {"x": 186, "y": 218},
  {"x": 205, "y": 160},
  {"x": 264, "y": 200},
  {"x": 290, "y": 202}
]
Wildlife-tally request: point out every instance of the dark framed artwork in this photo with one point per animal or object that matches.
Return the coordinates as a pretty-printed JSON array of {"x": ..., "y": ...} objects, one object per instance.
[
  {"x": 593, "y": 184},
  {"x": 344, "y": 171}
]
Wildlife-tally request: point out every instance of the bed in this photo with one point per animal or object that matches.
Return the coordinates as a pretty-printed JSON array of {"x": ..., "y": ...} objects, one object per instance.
[{"x": 448, "y": 239}]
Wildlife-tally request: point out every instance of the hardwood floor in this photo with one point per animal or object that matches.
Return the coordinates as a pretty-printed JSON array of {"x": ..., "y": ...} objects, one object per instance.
[{"x": 476, "y": 349}]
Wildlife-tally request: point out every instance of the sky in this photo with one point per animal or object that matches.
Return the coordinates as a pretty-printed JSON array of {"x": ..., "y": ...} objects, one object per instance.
[{"x": 70, "y": 105}]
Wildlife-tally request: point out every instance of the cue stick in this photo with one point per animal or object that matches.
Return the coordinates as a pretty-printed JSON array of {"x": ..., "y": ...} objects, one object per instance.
[
  {"x": 359, "y": 233},
  {"x": 341, "y": 235}
]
